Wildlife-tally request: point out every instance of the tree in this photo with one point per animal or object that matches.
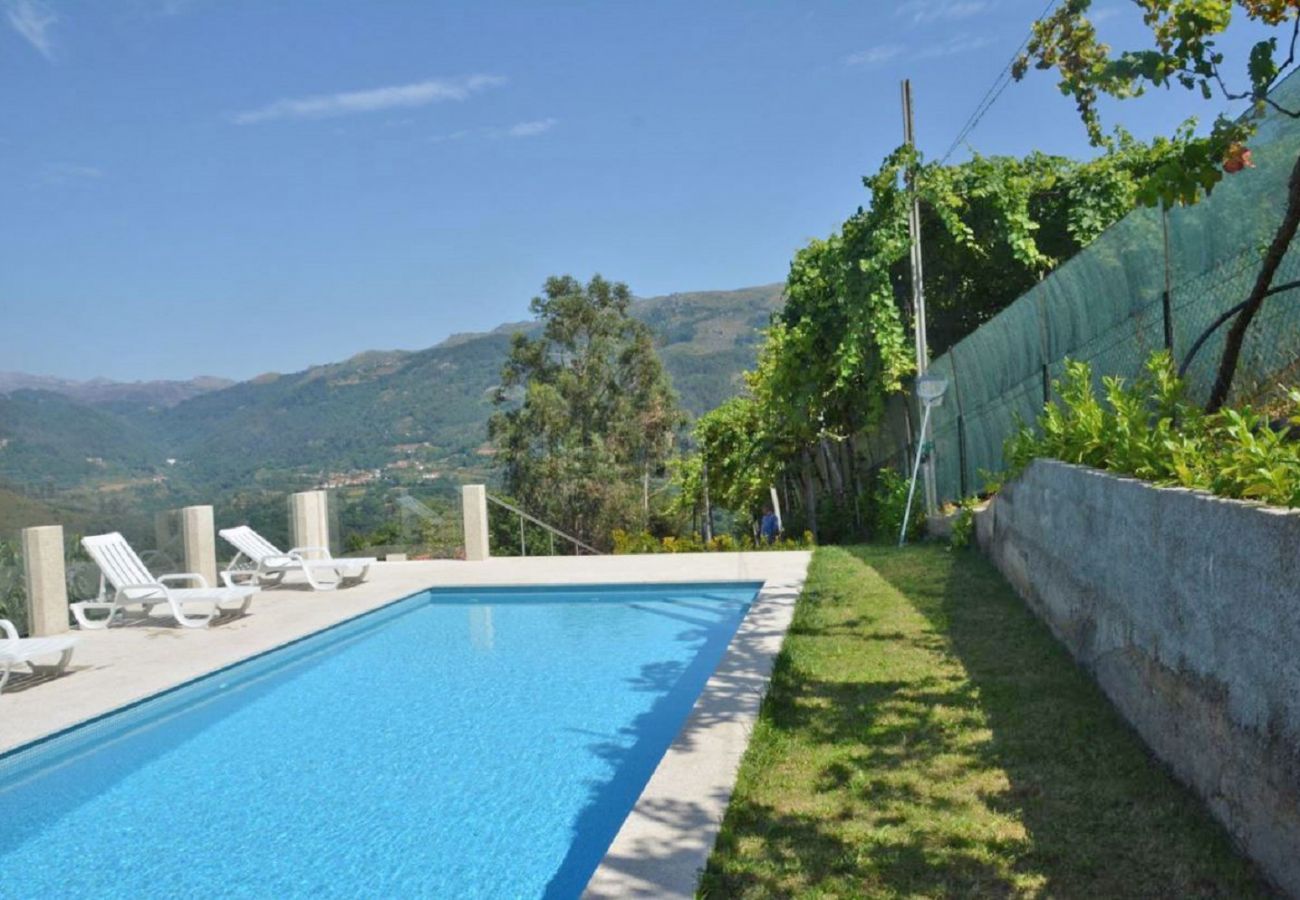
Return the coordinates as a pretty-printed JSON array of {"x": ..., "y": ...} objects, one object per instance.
[
  {"x": 1183, "y": 52},
  {"x": 586, "y": 413}
]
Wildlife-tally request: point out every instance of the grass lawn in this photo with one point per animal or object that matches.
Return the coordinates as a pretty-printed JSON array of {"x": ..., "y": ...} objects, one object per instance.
[{"x": 926, "y": 736}]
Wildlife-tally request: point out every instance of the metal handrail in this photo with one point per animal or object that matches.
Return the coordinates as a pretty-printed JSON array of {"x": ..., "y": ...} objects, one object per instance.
[{"x": 523, "y": 547}]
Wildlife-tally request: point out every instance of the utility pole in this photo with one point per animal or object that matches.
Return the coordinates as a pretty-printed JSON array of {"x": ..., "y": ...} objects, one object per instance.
[{"x": 918, "y": 289}]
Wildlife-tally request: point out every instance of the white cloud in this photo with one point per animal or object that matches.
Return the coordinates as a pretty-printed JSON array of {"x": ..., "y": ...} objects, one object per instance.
[
  {"x": 33, "y": 20},
  {"x": 346, "y": 103},
  {"x": 874, "y": 56},
  {"x": 921, "y": 12},
  {"x": 453, "y": 136},
  {"x": 1102, "y": 13},
  {"x": 68, "y": 173},
  {"x": 962, "y": 43},
  {"x": 531, "y": 129}
]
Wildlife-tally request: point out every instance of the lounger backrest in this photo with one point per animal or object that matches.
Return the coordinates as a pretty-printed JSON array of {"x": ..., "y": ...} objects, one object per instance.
[
  {"x": 117, "y": 560},
  {"x": 250, "y": 543}
]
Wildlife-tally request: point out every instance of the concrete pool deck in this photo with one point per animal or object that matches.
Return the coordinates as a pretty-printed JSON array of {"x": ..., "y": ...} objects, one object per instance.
[{"x": 667, "y": 837}]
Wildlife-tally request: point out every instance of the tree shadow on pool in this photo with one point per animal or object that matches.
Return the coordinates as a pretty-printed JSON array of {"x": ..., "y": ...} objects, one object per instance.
[{"x": 634, "y": 752}]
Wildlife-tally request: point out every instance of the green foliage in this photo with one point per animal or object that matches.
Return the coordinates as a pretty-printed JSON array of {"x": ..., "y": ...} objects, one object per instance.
[
  {"x": 644, "y": 542},
  {"x": 734, "y": 443},
  {"x": 992, "y": 228},
  {"x": 963, "y": 524},
  {"x": 1149, "y": 430},
  {"x": 585, "y": 411},
  {"x": 49, "y": 439},
  {"x": 1183, "y": 51},
  {"x": 13, "y": 595},
  {"x": 887, "y": 503}
]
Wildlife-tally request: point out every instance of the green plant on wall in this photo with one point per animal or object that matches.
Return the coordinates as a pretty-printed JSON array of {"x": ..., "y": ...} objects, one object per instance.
[{"x": 1148, "y": 429}]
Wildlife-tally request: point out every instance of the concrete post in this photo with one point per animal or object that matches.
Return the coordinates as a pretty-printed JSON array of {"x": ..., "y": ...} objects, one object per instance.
[
  {"x": 200, "y": 541},
  {"x": 473, "y": 502},
  {"x": 309, "y": 523},
  {"x": 47, "y": 580}
]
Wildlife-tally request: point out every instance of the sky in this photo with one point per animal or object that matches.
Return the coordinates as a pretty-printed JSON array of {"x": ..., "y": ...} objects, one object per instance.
[{"x": 229, "y": 188}]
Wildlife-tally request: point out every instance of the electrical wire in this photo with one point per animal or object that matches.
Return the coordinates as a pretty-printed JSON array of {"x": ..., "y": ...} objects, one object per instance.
[{"x": 995, "y": 89}]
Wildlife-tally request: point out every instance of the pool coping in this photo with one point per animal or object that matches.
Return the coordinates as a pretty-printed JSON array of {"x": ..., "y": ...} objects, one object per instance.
[{"x": 665, "y": 841}]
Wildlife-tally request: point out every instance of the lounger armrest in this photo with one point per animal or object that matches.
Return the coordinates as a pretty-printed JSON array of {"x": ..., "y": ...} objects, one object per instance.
[
  {"x": 8, "y": 628},
  {"x": 297, "y": 552},
  {"x": 156, "y": 587},
  {"x": 185, "y": 576}
]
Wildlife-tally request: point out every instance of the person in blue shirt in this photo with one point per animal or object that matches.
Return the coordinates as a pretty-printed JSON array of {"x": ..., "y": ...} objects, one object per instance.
[{"x": 770, "y": 527}]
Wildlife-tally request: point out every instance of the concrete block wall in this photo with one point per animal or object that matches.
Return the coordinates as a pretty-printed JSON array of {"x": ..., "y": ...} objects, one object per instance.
[{"x": 1186, "y": 610}]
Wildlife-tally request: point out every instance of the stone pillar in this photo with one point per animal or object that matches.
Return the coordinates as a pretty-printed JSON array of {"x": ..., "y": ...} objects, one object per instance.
[
  {"x": 309, "y": 522},
  {"x": 199, "y": 539},
  {"x": 47, "y": 580},
  {"x": 473, "y": 502}
]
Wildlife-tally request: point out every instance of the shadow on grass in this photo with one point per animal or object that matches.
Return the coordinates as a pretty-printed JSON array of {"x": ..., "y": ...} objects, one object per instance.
[
  {"x": 925, "y": 735},
  {"x": 1102, "y": 816}
]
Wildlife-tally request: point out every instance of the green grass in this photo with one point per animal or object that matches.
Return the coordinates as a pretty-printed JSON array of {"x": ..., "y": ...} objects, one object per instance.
[{"x": 925, "y": 735}]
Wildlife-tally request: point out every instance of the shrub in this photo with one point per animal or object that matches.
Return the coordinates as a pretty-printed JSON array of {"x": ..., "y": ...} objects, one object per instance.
[
  {"x": 1149, "y": 430},
  {"x": 963, "y": 526},
  {"x": 888, "y": 500},
  {"x": 644, "y": 542}
]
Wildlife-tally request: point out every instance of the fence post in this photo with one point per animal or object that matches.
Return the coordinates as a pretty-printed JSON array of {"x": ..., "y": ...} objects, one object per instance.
[
  {"x": 47, "y": 580},
  {"x": 198, "y": 538},
  {"x": 961, "y": 421},
  {"x": 1044, "y": 342},
  {"x": 1167, "y": 297},
  {"x": 473, "y": 504},
  {"x": 309, "y": 524}
]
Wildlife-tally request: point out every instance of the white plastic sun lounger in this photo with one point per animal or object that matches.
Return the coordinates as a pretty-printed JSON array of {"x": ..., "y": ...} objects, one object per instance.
[
  {"x": 14, "y": 650},
  {"x": 124, "y": 580},
  {"x": 261, "y": 563}
]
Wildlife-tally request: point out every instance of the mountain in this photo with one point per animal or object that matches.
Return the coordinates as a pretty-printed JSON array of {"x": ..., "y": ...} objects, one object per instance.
[
  {"x": 47, "y": 438},
  {"x": 118, "y": 394},
  {"x": 377, "y": 409}
]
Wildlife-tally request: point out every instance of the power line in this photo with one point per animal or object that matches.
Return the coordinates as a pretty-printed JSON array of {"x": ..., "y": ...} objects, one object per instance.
[{"x": 995, "y": 89}]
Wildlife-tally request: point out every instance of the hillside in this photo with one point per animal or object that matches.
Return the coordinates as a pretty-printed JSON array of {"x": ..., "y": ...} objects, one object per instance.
[
  {"x": 375, "y": 409},
  {"x": 49, "y": 439},
  {"x": 115, "y": 394}
]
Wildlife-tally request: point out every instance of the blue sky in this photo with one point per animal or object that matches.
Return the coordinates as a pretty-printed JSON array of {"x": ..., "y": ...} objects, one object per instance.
[{"x": 228, "y": 188}]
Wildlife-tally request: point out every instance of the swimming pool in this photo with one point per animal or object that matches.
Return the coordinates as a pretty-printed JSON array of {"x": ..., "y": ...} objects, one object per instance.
[{"x": 459, "y": 743}]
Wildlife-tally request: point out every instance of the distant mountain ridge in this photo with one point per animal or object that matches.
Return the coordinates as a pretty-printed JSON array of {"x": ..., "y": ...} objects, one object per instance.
[
  {"x": 366, "y": 412},
  {"x": 104, "y": 391}
]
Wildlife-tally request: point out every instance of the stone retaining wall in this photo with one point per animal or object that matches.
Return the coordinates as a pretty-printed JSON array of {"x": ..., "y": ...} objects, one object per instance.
[{"x": 1186, "y": 609}]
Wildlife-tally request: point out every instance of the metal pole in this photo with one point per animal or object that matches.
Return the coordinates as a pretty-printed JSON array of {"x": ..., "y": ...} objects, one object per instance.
[
  {"x": 708, "y": 507},
  {"x": 1167, "y": 298},
  {"x": 523, "y": 545},
  {"x": 918, "y": 280},
  {"x": 907, "y": 512}
]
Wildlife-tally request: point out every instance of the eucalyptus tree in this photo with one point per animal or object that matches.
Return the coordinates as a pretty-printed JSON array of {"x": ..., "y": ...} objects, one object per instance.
[{"x": 585, "y": 412}]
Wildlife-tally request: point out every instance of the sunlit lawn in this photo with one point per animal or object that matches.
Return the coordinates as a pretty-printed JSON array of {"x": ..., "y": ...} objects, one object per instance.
[{"x": 926, "y": 736}]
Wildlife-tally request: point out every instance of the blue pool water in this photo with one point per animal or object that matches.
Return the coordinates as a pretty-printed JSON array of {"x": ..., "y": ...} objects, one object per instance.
[{"x": 459, "y": 743}]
